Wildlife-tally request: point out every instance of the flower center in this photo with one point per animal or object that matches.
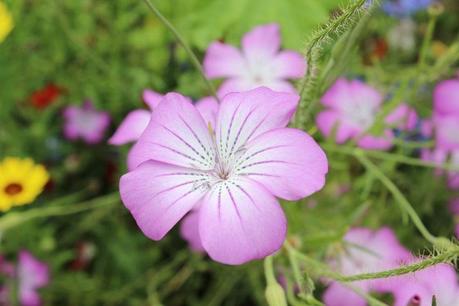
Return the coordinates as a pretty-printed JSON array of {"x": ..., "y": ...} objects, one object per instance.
[{"x": 13, "y": 189}]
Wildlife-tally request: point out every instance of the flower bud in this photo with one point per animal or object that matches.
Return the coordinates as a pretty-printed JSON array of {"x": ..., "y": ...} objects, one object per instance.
[{"x": 275, "y": 295}]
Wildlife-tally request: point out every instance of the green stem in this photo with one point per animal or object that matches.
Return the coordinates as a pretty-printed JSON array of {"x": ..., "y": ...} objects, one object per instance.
[
  {"x": 184, "y": 44},
  {"x": 14, "y": 219},
  {"x": 399, "y": 197},
  {"x": 389, "y": 156},
  {"x": 269, "y": 270}
]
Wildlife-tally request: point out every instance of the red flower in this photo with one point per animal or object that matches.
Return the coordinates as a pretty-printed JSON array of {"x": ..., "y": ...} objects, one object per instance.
[{"x": 45, "y": 96}]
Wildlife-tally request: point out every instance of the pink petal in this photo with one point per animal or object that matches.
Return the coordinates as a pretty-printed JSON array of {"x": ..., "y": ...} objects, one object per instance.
[
  {"x": 261, "y": 43},
  {"x": 447, "y": 132},
  {"x": 158, "y": 195},
  {"x": 288, "y": 162},
  {"x": 326, "y": 121},
  {"x": 222, "y": 60},
  {"x": 403, "y": 117},
  {"x": 338, "y": 295},
  {"x": 177, "y": 134},
  {"x": 289, "y": 65},
  {"x": 235, "y": 85},
  {"x": 280, "y": 86},
  {"x": 152, "y": 98},
  {"x": 240, "y": 221},
  {"x": 131, "y": 127},
  {"x": 371, "y": 142},
  {"x": 446, "y": 97},
  {"x": 32, "y": 275},
  {"x": 189, "y": 230},
  {"x": 208, "y": 108},
  {"x": 244, "y": 116}
]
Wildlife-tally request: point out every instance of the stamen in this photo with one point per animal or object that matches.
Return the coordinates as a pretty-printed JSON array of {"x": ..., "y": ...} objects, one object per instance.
[{"x": 13, "y": 189}]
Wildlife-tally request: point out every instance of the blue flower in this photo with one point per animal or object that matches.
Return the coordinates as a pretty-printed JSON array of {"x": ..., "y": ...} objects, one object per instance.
[{"x": 403, "y": 8}]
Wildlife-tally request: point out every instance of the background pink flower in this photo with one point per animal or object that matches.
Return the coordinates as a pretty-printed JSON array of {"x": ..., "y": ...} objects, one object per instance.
[
  {"x": 351, "y": 109},
  {"x": 365, "y": 251},
  {"x": 85, "y": 123},
  {"x": 32, "y": 275},
  {"x": 233, "y": 172},
  {"x": 259, "y": 63}
]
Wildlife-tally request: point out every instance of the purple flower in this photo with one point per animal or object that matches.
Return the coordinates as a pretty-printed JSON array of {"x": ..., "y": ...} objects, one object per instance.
[
  {"x": 365, "y": 251},
  {"x": 403, "y": 8},
  {"x": 230, "y": 174},
  {"x": 259, "y": 63},
  {"x": 446, "y": 98},
  {"x": 85, "y": 123},
  {"x": 418, "y": 288},
  {"x": 351, "y": 110},
  {"x": 32, "y": 275}
]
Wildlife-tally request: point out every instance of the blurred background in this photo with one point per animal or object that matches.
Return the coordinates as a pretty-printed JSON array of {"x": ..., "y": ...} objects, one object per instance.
[{"x": 61, "y": 53}]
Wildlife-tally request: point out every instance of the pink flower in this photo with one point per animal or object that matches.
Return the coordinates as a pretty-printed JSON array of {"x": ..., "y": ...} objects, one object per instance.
[
  {"x": 420, "y": 287},
  {"x": 136, "y": 121},
  {"x": 440, "y": 157},
  {"x": 446, "y": 131},
  {"x": 365, "y": 251},
  {"x": 85, "y": 123},
  {"x": 259, "y": 63},
  {"x": 351, "y": 110},
  {"x": 32, "y": 275},
  {"x": 230, "y": 175},
  {"x": 446, "y": 98},
  {"x": 454, "y": 208}
]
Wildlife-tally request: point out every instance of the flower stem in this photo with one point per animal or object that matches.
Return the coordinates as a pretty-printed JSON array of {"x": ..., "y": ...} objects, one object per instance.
[
  {"x": 14, "y": 219},
  {"x": 184, "y": 44}
]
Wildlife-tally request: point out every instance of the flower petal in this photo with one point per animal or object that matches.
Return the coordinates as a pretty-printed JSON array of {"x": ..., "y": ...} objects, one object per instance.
[
  {"x": 372, "y": 142},
  {"x": 289, "y": 65},
  {"x": 208, "y": 108},
  {"x": 152, "y": 98},
  {"x": 446, "y": 97},
  {"x": 244, "y": 116},
  {"x": 131, "y": 127},
  {"x": 158, "y": 195},
  {"x": 189, "y": 230},
  {"x": 288, "y": 162},
  {"x": 338, "y": 295},
  {"x": 328, "y": 119},
  {"x": 403, "y": 117},
  {"x": 222, "y": 60},
  {"x": 240, "y": 221},
  {"x": 261, "y": 43},
  {"x": 176, "y": 134}
]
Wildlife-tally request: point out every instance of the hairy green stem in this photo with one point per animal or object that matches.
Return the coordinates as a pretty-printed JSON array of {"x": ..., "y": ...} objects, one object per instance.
[{"x": 194, "y": 59}]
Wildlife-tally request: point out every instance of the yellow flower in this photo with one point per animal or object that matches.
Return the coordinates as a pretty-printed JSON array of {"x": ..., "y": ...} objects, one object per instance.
[
  {"x": 6, "y": 22},
  {"x": 21, "y": 181}
]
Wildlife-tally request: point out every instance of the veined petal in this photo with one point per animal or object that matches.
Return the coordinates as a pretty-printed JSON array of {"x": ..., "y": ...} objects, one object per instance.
[
  {"x": 131, "y": 127},
  {"x": 208, "y": 108},
  {"x": 262, "y": 43},
  {"x": 289, "y": 65},
  {"x": 152, "y": 98},
  {"x": 177, "y": 134},
  {"x": 244, "y": 116},
  {"x": 240, "y": 221},
  {"x": 158, "y": 195},
  {"x": 222, "y": 60},
  {"x": 288, "y": 162}
]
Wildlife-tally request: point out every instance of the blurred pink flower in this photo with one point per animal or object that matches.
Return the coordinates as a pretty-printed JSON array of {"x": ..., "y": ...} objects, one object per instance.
[
  {"x": 420, "y": 287},
  {"x": 85, "y": 123},
  {"x": 446, "y": 98},
  {"x": 32, "y": 275},
  {"x": 351, "y": 110},
  {"x": 259, "y": 63},
  {"x": 231, "y": 174},
  {"x": 365, "y": 251}
]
